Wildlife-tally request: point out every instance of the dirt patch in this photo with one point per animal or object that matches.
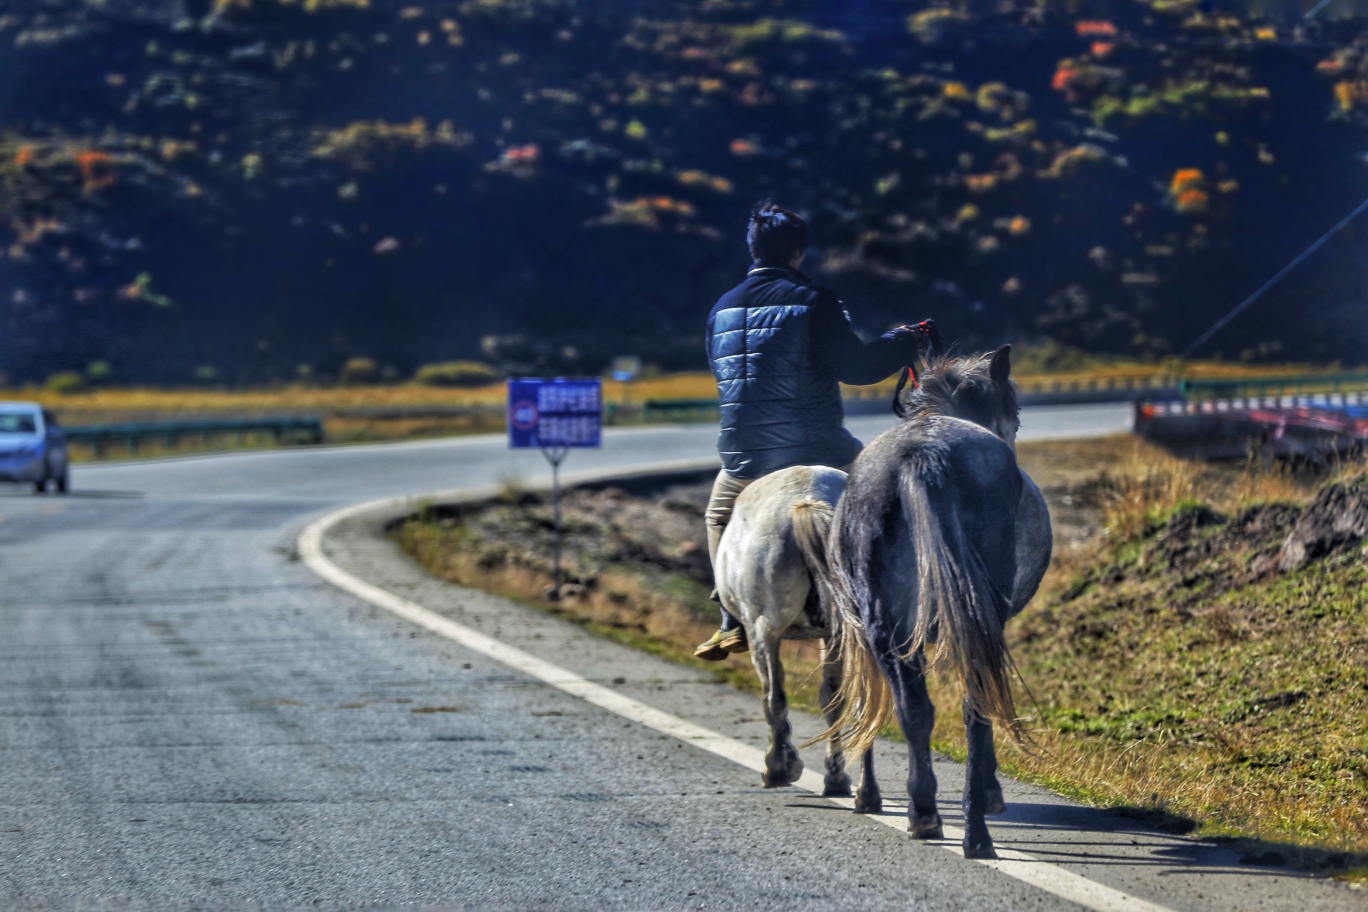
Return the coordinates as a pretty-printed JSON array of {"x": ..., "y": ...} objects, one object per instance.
[{"x": 654, "y": 530}]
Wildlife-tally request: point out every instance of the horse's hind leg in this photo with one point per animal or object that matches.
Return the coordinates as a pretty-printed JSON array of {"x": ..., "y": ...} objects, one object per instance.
[
  {"x": 981, "y": 789},
  {"x": 917, "y": 716},
  {"x": 867, "y": 799},
  {"x": 783, "y": 766},
  {"x": 993, "y": 800},
  {"x": 837, "y": 782}
]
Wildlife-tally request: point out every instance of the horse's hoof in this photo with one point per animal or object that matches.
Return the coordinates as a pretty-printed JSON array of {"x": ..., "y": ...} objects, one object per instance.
[
  {"x": 993, "y": 801},
  {"x": 776, "y": 780},
  {"x": 796, "y": 767},
  {"x": 837, "y": 787},
  {"x": 868, "y": 805},
  {"x": 926, "y": 826},
  {"x": 979, "y": 851}
]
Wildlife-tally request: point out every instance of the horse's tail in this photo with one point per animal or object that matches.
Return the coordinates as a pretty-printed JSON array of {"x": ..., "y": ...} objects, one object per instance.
[
  {"x": 961, "y": 612},
  {"x": 864, "y": 696},
  {"x": 811, "y": 523}
]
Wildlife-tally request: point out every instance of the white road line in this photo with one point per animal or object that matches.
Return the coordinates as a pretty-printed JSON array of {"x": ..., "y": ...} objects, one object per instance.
[{"x": 1019, "y": 865}]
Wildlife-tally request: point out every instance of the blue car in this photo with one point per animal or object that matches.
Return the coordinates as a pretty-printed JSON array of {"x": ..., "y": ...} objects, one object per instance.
[{"x": 32, "y": 446}]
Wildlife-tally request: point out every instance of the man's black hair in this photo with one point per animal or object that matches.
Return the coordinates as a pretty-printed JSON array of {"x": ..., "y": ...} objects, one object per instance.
[{"x": 775, "y": 235}]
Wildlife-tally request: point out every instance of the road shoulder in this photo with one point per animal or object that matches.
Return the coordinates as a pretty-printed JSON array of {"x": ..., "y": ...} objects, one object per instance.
[{"x": 1094, "y": 844}]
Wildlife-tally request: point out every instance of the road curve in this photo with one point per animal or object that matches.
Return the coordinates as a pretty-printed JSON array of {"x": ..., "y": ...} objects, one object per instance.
[{"x": 191, "y": 718}]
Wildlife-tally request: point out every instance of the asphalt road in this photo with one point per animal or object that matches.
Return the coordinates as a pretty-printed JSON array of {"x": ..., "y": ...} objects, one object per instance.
[{"x": 190, "y": 718}]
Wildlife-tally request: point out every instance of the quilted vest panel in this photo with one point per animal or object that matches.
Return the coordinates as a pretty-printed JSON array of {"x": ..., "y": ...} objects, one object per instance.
[{"x": 780, "y": 406}]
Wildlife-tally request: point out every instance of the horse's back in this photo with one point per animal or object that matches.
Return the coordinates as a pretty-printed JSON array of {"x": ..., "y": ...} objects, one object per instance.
[
  {"x": 970, "y": 478},
  {"x": 977, "y": 465},
  {"x": 794, "y": 484}
]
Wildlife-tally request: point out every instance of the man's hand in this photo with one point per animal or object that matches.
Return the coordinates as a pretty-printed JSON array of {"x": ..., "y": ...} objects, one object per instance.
[{"x": 928, "y": 331}]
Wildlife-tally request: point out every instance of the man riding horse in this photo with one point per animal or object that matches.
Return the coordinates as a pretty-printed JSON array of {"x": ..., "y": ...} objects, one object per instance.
[{"x": 780, "y": 346}]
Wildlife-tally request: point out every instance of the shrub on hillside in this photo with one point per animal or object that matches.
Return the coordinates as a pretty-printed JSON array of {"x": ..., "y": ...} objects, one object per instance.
[
  {"x": 456, "y": 373},
  {"x": 99, "y": 371},
  {"x": 359, "y": 371},
  {"x": 66, "y": 382}
]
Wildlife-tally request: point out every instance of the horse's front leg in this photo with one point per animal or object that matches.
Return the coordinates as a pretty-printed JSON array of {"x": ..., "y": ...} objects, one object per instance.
[
  {"x": 837, "y": 781},
  {"x": 917, "y": 716},
  {"x": 982, "y": 793},
  {"x": 783, "y": 766}
]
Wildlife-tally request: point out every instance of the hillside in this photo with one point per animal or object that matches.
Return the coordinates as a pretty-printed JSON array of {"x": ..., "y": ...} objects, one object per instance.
[{"x": 245, "y": 190}]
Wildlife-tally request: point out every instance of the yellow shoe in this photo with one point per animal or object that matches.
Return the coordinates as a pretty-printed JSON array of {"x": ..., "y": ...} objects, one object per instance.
[{"x": 722, "y": 644}]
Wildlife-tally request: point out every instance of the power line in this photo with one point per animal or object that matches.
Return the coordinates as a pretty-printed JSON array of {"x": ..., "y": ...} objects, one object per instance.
[{"x": 1273, "y": 281}]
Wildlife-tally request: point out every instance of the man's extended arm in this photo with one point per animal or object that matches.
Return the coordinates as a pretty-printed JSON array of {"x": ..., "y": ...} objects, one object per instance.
[{"x": 855, "y": 362}]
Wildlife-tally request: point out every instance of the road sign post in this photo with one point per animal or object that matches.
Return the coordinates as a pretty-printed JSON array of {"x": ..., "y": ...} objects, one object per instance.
[{"x": 555, "y": 416}]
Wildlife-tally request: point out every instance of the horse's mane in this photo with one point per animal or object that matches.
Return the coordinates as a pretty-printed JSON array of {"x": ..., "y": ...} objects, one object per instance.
[{"x": 962, "y": 386}]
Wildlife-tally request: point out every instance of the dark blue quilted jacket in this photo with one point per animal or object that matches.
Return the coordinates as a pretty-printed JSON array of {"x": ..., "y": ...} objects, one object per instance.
[{"x": 780, "y": 346}]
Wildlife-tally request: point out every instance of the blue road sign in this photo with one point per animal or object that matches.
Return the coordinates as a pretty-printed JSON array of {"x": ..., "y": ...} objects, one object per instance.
[{"x": 554, "y": 413}]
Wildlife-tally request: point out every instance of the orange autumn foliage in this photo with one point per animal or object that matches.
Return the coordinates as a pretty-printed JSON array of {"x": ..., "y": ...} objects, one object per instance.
[
  {"x": 1192, "y": 201},
  {"x": 97, "y": 169},
  {"x": 1185, "y": 179},
  {"x": 1188, "y": 190},
  {"x": 1095, "y": 29},
  {"x": 1350, "y": 94}
]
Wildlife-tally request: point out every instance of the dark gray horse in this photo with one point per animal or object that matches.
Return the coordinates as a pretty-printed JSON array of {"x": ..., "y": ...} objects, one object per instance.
[{"x": 938, "y": 540}]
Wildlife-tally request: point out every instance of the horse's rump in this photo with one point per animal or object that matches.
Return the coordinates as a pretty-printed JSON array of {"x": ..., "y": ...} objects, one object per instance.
[
  {"x": 959, "y": 501},
  {"x": 776, "y": 544}
]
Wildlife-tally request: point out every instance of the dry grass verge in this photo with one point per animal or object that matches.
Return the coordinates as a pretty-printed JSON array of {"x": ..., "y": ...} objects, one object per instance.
[{"x": 636, "y": 569}]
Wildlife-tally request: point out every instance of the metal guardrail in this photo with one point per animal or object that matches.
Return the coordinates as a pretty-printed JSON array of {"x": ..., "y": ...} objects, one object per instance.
[
  {"x": 1090, "y": 389},
  {"x": 871, "y": 400},
  {"x": 405, "y": 412},
  {"x": 1146, "y": 408},
  {"x": 100, "y": 436},
  {"x": 1273, "y": 386}
]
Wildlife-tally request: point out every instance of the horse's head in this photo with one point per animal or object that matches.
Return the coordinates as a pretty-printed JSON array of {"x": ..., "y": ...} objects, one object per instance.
[{"x": 977, "y": 388}]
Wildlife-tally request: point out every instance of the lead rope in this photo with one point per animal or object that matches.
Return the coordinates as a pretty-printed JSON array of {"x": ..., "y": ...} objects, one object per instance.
[
  {"x": 932, "y": 337},
  {"x": 908, "y": 373}
]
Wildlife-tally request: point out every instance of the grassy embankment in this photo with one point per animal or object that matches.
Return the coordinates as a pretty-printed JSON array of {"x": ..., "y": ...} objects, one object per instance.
[
  {"x": 354, "y": 414},
  {"x": 1165, "y": 677}
]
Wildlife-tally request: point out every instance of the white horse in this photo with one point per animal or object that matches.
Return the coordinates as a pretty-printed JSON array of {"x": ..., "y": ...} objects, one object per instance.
[{"x": 769, "y": 555}]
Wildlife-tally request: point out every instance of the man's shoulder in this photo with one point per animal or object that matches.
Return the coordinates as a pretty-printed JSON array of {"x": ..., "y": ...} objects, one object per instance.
[
  {"x": 776, "y": 287},
  {"x": 810, "y": 292}
]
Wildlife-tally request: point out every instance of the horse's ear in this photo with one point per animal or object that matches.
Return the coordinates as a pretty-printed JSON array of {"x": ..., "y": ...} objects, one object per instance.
[{"x": 1000, "y": 368}]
